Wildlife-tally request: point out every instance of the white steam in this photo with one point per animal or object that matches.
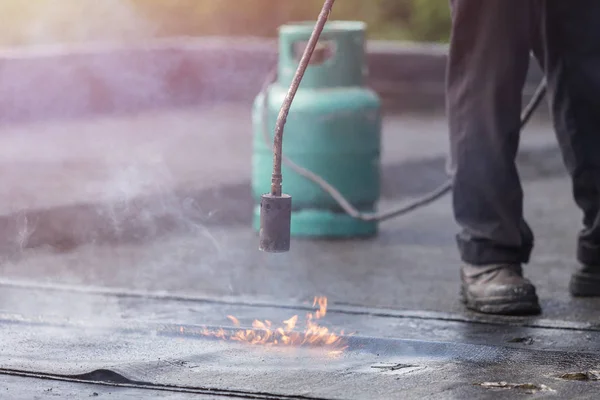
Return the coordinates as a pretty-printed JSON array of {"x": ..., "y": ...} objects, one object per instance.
[
  {"x": 52, "y": 22},
  {"x": 126, "y": 177}
]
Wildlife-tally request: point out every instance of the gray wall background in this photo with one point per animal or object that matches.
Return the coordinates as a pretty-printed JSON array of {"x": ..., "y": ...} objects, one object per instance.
[{"x": 73, "y": 82}]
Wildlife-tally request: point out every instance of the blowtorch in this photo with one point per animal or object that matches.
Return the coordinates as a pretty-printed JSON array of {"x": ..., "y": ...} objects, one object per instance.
[{"x": 276, "y": 207}]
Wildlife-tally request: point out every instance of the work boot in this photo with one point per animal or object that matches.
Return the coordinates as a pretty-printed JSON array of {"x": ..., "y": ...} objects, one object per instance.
[
  {"x": 498, "y": 289},
  {"x": 585, "y": 282}
]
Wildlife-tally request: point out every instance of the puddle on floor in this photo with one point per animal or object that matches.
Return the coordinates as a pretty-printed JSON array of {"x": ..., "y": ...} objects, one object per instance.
[
  {"x": 397, "y": 368},
  {"x": 530, "y": 388},
  {"x": 528, "y": 340},
  {"x": 581, "y": 376}
]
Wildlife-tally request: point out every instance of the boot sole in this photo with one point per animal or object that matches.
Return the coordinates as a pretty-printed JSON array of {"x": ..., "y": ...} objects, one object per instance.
[
  {"x": 584, "y": 285},
  {"x": 502, "y": 306}
]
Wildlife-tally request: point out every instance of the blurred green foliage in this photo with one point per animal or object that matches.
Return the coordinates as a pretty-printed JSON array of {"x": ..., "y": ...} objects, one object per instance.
[
  {"x": 419, "y": 20},
  {"x": 57, "y": 21}
]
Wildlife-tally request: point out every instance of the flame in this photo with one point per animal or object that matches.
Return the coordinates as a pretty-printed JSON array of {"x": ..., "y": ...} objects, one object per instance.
[{"x": 266, "y": 333}]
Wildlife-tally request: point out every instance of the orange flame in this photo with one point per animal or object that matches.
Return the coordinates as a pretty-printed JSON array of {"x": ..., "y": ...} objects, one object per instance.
[{"x": 265, "y": 333}]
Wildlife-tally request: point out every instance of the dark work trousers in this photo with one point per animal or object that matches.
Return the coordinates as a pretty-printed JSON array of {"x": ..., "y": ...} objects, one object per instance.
[{"x": 488, "y": 62}]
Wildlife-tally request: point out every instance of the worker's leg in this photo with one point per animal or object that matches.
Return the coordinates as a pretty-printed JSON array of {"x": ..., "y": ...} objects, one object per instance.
[
  {"x": 488, "y": 63},
  {"x": 573, "y": 63}
]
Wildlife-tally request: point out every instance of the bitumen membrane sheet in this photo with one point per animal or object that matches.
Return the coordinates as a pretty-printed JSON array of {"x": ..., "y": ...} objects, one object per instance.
[
  {"x": 120, "y": 231},
  {"x": 149, "y": 341}
]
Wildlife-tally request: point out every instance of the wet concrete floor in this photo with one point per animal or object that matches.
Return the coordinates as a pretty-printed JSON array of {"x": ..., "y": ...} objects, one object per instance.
[
  {"x": 160, "y": 202},
  {"x": 151, "y": 342}
]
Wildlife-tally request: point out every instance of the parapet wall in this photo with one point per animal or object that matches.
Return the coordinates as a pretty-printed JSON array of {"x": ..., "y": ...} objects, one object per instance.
[{"x": 75, "y": 81}]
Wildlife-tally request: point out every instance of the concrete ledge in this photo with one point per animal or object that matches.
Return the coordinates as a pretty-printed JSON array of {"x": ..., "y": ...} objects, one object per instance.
[{"x": 75, "y": 81}]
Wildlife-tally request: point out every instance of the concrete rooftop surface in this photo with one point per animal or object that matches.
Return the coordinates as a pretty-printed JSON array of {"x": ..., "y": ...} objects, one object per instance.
[{"x": 143, "y": 220}]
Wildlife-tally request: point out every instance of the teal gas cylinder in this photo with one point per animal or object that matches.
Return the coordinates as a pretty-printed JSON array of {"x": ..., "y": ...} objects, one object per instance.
[{"x": 333, "y": 129}]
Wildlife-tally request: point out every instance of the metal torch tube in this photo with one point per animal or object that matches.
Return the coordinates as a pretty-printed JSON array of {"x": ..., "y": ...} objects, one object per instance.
[{"x": 276, "y": 177}]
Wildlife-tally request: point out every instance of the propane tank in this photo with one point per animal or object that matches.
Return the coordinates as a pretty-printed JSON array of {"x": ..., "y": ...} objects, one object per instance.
[{"x": 333, "y": 129}]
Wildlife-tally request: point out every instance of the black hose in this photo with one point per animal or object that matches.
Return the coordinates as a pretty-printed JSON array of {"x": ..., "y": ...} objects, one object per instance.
[{"x": 403, "y": 209}]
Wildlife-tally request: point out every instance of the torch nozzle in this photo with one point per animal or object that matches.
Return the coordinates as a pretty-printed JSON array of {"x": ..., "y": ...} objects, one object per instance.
[{"x": 275, "y": 223}]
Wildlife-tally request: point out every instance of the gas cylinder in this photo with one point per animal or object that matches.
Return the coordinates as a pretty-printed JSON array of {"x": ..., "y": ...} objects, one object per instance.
[{"x": 333, "y": 129}]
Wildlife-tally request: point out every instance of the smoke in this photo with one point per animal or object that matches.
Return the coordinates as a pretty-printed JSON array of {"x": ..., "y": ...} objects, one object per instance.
[
  {"x": 127, "y": 216},
  {"x": 56, "y": 22},
  {"x": 141, "y": 190},
  {"x": 103, "y": 194}
]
